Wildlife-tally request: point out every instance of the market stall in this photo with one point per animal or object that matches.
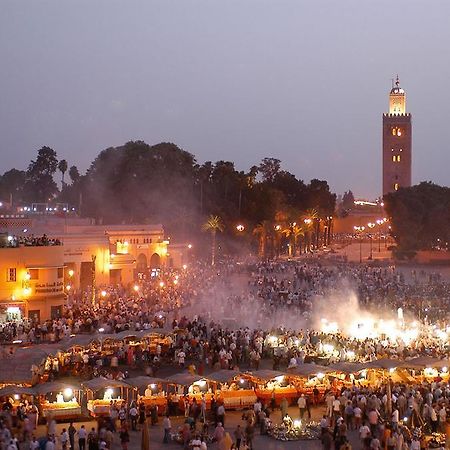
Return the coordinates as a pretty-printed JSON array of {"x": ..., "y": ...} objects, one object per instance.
[
  {"x": 60, "y": 400},
  {"x": 150, "y": 391},
  {"x": 272, "y": 386},
  {"x": 310, "y": 380},
  {"x": 348, "y": 374},
  {"x": 186, "y": 387},
  {"x": 102, "y": 393},
  {"x": 232, "y": 390}
]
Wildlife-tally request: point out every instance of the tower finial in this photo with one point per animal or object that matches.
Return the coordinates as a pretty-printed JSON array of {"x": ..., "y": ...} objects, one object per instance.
[{"x": 397, "y": 81}]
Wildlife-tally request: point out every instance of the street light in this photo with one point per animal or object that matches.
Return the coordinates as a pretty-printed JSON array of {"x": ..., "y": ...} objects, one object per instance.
[
  {"x": 240, "y": 228},
  {"x": 371, "y": 225},
  {"x": 359, "y": 230}
]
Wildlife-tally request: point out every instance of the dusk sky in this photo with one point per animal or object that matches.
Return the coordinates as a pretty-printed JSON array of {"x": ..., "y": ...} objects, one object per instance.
[{"x": 305, "y": 82}]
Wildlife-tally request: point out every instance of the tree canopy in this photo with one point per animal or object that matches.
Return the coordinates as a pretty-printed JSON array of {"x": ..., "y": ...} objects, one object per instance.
[
  {"x": 420, "y": 217},
  {"x": 141, "y": 183}
]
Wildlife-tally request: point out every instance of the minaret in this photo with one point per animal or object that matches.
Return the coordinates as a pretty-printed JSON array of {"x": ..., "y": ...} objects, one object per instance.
[{"x": 397, "y": 139}]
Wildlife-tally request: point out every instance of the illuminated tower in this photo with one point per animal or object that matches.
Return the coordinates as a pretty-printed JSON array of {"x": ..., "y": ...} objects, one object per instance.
[{"x": 397, "y": 139}]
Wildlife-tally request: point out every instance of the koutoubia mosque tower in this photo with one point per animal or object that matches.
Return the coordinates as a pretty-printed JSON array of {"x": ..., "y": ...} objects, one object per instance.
[{"x": 397, "y": 140}]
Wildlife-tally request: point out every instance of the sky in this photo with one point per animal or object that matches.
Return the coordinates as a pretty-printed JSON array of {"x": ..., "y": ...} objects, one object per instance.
[{"x": 303, "y": 81}]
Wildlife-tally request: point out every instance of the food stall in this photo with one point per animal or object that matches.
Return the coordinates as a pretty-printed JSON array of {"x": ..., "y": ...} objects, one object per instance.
[
  {"x": 272, "y": 385},
  {"x": 59, "y": 400},
  {"x": 232, "y": 390},
  {"x": 307, "y": 377},
  {"x": 429, "y": 369},
  {"x": 102, "y": 392},
  {"x": 13, "y": 395},
  {"x": 348, "y": 374},
  {"x": 149, "y": 391},
  {"x": 185, "y": 385}
]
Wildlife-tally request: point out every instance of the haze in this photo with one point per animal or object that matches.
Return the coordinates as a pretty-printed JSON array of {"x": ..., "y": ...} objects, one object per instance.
[{"x": 306, "y": 82}]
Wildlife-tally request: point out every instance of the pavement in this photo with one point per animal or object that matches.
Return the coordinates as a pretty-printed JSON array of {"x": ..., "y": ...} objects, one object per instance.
[{"x": 232, "y": 419}]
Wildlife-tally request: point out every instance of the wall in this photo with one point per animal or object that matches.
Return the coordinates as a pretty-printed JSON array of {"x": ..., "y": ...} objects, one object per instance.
[{"x": 32, "y": 294}]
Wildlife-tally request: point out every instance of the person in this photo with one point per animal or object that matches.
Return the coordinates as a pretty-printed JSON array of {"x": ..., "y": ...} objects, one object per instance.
[
  {"x": 49, "y": 445},
  {"x": 167, "y": 426},
  {"x": 72, "y": 431},
  {"x": 133, "y": 417},
  {"x": 82, "y": 434},
  {"x": 226, "y": 442},
  {"x": 196, "y": 443},
  {"x": 249, "y": 434},
  {"x": 326, "y": 439},
  {"x": 124, "y": 437},
  {"x": 221, "y": 414},
  {"x": 238, "y": 436},
  {"x": 64, "y": 438},
  {"x": 219, "y": 432},
  {"x": 92, "y": 440},
  {"x": 301, "y": 402},
  {"x": 34, "y": 444}
]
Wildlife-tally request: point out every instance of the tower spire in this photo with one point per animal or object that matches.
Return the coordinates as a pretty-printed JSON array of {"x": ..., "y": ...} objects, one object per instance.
[{"x": 397, "y": 81}]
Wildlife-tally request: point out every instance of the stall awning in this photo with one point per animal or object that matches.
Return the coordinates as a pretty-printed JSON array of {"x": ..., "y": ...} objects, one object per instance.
[
  {"x": 222, "y": 376},
  {"x": 184, "y": 379},
  {"x": 12, "y": 390},
  {"x": 384, "y": 363},
  {"x": 266, "y": 374},
  {"x": 142, "y": 382},
  {"x": 56, "y": 386},
  {"x": 103, "y": 383},
  {"x": 423, "y": 362},
  {"x": 347, "y": 367},
  {"x": 307, "y": 369}
]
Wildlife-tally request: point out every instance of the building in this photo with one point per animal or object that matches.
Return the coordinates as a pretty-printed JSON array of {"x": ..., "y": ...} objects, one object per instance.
[
  {"x": 397, "y": 142},
  {"x": 35, "y": 280},
  {"x": 31, "y": 282},
  {"x": 115, "y": 253}
]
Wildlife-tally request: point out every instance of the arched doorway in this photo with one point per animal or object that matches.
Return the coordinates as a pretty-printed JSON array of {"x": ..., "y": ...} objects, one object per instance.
[
  {"x": 155, "y": 261},
  {"x": 141, "y": 263}
]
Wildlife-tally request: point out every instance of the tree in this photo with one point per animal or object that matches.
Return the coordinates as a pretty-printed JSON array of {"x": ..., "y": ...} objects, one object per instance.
[
  {"x": 213, "y": 225},
  {"x": 348, "y": 200},
  {"x": 74, "y": 174},
  {"x": 62, "y": 167},
  {"x": 269, "y": 168},
  {"x": 263, "y": 231},
  {"x": 419, "y": 217},
  {"x": 40, "y": 185},
  {"x": 11, "y": 186}
]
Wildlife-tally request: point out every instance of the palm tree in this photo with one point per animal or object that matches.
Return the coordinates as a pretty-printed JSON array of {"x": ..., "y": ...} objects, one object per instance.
[
  {"x": 261, "y": 230},
  {"x": 213, "y": 225},
  {"x": 293, "y": 232},
  {"x": 298, "y": 232},
  {"x": 310, "y": 217},
  {"x": 62, "y": 167}
]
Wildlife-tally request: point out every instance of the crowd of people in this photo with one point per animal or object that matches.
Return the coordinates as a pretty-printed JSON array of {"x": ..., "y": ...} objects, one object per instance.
[
  {"x": 31, "y": 240},
  {"x": 239, "y": 314}
]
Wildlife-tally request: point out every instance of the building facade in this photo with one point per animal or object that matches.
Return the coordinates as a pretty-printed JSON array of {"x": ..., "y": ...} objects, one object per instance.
[
  {"x": 35, "y": 281},
  {"x": 31, "y": 282},
  {"x": 397, "y": 142}
]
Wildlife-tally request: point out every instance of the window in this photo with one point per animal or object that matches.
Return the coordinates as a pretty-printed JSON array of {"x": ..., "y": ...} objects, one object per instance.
[
  {"x": 60, "y": 272},
  {"x": 34, "y": 274},
  {"x": 396, "y": 131},
  {"x": 396, "y": 186},
  {"x": 395, "y": 158},
  {"x": 11, "y": 274}
]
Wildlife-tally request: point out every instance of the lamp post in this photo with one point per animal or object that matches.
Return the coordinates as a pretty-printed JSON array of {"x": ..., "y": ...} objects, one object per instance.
[
  {"x": 379, "y": 223},
  {"x": 371, "y": 225},
  {"x": 359, "y": 230}
]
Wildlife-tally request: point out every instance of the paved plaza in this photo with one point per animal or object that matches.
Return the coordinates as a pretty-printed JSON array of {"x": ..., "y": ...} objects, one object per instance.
[{"x": 233, "y": 418}]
